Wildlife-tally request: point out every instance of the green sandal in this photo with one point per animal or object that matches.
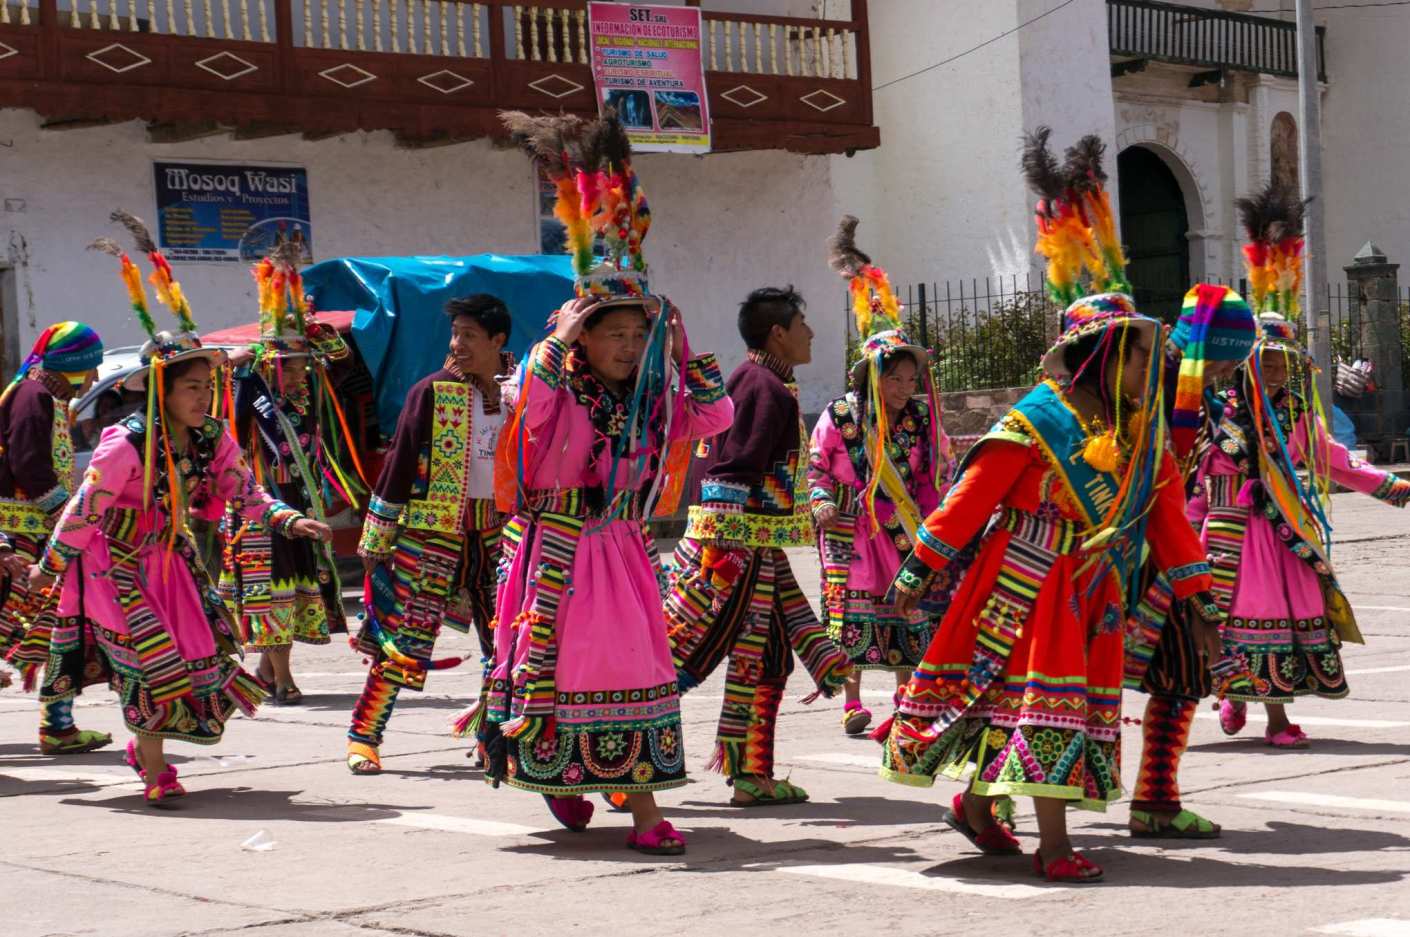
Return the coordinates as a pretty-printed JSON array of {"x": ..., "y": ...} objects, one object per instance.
[
  {"x": 1005, "y": 811},
  {"x": 785, "y": 793},
  {"x": 1184, "y": 825},
  {"x": 76, "y": 743}
]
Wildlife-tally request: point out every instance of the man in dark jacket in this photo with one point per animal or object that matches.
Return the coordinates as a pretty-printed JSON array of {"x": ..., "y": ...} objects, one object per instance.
[
  {"x": 36, "y": 479},
  {"x": 733, "y": 594}
]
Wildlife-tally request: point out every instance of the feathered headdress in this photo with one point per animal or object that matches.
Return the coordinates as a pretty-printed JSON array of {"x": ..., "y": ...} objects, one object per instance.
[
  {"x": 599, "y": 196},
  {"x": 878, "y": 316},
  {"x": 1077, "y": 235},
  {"x": 283, "y": 308},
  {"x": 1272, "y": 220},
  {"x": 874, "y": 302},
  {"x": 287, "y": 331},
  {"x": 161, "y": 350},
  {"x": 1076, "y": 227},
  {"x": 1273, "y": 223}
]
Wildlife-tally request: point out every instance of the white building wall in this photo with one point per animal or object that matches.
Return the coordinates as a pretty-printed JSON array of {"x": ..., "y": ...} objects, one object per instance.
[
  {"x": 722, "y": 224},
  {"x": 944, "y": 197},
  {"x": 1366, "y": 133},
  {"x": 938, "y": 199}
]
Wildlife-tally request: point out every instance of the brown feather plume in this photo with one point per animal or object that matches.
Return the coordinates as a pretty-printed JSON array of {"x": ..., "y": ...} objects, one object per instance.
[
  {"x": 1272, "y": 213},
  {"x": 545, "y": 138},
  {"x": 287, "y": 253},
  {"x": 138, "y": 228},
  {"x": 1084, "y": 163},
  {"x": 1040, "y": 167},
  {"x": 843, "y": 255},
  {"x": 107, "y": 246},
  {"x": 617, "y": 148}
]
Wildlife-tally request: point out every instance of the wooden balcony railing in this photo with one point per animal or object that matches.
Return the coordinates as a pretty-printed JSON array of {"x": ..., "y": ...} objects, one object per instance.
[
  {"x": 1213, "y": 39},
  {"x": 430, "y": 70}
]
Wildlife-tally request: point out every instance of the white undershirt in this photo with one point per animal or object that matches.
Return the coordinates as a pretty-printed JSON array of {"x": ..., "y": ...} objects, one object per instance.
[{"x": 484, "y": 432}]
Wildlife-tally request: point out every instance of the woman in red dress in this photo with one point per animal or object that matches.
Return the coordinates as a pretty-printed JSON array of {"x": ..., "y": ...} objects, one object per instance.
[{"x": 1022, "y": 680}]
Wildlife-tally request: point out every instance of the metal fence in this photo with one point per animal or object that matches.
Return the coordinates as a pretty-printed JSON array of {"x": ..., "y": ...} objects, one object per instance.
[
  {"x": 981, "y": 333},
  {"x": 991, "y": 332}
]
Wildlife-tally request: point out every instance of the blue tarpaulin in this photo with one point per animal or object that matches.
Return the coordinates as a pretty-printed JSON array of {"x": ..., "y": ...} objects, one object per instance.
[
  {"x": 1343, "y": 430},
  {"x": 400, "y": 327}
]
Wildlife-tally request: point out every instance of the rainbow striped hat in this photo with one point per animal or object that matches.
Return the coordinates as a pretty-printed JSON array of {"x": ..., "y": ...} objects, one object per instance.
[
  {"x": 65, "y": 347},
  {"x": 1215, "y": 325}
]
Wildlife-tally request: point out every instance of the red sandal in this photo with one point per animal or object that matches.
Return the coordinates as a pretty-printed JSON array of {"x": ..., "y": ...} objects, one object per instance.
[
  {"x": 996, "y": 840},
  {"x": 1074, "y": 869}
]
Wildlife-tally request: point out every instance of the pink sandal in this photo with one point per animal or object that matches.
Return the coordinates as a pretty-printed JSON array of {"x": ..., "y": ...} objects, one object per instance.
[
  {"x": 130, "y": 756},
  {"x": 1232, "y": 716},
  {"x": 1291, "y": 737},
  {"x": 166, "y": 788},
  {"x": 574, "y": 813},
  {"x": 651, "y": 841},
  {"x": 855, "y": 718}
]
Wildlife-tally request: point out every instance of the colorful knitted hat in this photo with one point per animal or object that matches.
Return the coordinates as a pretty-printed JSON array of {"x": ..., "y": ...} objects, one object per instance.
[
  {"x": 64, "y": 347},
  {"x": 878, "y": 315},
  {"x": 1215, "y": 325},
  {"x": 599, "y": 196}
]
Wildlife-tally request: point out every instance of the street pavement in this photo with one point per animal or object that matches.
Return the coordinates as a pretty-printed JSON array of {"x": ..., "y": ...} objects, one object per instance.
[{"x": 278, "y": 840}]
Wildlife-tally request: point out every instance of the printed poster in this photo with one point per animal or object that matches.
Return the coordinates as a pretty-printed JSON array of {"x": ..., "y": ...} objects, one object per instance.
[
  {"x": 230, "y": 213},
  {"x": 647, "y": 65}
]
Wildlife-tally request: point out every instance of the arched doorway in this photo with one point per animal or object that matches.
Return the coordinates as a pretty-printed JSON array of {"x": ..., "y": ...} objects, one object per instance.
[{"x": 1154, "y": 229}]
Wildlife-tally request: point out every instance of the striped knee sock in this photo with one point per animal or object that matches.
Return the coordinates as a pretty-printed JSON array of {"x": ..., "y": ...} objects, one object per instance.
[
  {"x": 373, "y": 709},
  {"x": 1166, "y": 730}
]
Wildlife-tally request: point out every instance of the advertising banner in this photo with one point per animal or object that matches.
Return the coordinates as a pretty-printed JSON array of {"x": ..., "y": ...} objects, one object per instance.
[
  {"x": 221, "y": 213},
  {"x": 647, "y": 66}
]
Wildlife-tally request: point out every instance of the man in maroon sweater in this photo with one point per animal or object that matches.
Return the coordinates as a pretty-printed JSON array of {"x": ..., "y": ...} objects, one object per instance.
[
  {"x": 36, "y": 479},
  {"x": 733, "y": 594}
]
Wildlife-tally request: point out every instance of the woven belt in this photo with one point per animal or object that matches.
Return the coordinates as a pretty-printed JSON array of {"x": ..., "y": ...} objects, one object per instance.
[{"x": 1056, "y": 536}]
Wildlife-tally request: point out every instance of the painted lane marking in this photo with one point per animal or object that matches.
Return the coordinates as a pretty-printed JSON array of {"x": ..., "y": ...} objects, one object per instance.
[
  {"x": 863, "y": 874},
  {"x": 1399, "y": 669},
  {"x": 1369, "y": 927},
  {"x": 1324, "y": 721},
  {"x": 842, "y": 758},
  {"x": 1331, "y": 800},
  {"x": 449, "y": 824},
  {"x": 59, "y": 775}
]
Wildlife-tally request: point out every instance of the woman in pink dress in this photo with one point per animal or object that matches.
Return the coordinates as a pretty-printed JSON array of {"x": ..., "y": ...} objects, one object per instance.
[
  {"x": 583, "y": 695},
  {"x": 1267, "y": 536},
  {"x": 868, "y": 493},
  {"x": 583, "y": 689},
  {"x": 124, "y": 557},
  {"x": 126, "y": 563}
]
